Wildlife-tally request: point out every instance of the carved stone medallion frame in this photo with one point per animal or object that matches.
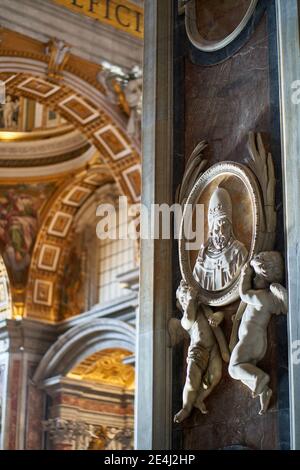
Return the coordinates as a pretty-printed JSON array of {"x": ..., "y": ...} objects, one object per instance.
[
  {"x": 211, "y": 46},
  {"x": 247, "y": 178}
]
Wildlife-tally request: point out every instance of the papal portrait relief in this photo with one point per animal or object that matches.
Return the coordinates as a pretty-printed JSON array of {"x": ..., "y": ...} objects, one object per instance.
[
  {"x": 235, "y": 262},
  {"x": 233, "y": 230},
  {"x": 220, "y": 260}
]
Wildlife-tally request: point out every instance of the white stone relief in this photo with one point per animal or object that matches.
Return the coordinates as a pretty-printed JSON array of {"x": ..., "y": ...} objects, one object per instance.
[
  {"x": 223, "y": 272},
  {"x": 125, "y": 90},
  {"x": 62, "y": 431},
  {"x": 262, "y": 299},
  {"x": 207, "y": 348},
  {"x": 134, "y": 96},
  {"x": 79, "y": 435},
  {"x": 59, "y": 53}
]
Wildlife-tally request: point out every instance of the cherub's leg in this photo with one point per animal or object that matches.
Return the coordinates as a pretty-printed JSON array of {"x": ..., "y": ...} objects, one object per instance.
[
  {"x": 257, "y": 380},
  {"x": 264, "y": 399},
  {"x": 250, "y": 375},
  {"x": 214, "y": 375},
  {"x": 243, "y": 360},
  {"x": 190, "y": 391}
]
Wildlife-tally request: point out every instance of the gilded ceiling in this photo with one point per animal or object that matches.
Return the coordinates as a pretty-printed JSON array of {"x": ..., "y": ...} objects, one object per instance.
[
  {"x": 106, "y": 367},
  {"x": 60, "y": 139}
]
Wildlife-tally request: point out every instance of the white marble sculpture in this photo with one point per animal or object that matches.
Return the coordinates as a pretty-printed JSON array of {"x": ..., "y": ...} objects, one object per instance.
[
  {"x": 264, "y": 298},
  {"x": 8, "y": 112},
  {"x": 220, "y": 260},
  {"x": 220, "y": 276},
  {"x": 207, "y": 348},
  {"x": 134, "y": 95},
  {"x": 59, "y": 53}
]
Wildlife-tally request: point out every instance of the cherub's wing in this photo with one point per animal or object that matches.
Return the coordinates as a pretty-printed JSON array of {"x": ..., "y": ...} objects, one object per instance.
[
  {"x": 176, "y": 332},
  {"x": 280, "y": 293}
]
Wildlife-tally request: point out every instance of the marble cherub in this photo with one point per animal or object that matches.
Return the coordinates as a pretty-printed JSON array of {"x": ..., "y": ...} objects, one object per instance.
[
  {"x": 266, "y": 297},
  {"x": 207, "y": 348}
]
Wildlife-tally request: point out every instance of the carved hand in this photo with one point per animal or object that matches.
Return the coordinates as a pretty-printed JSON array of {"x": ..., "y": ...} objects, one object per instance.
[{"x": 215, "y": 319}]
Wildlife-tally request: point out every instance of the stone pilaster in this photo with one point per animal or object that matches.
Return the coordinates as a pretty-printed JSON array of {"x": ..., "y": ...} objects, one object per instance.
[{"x": 22, "y": 345}]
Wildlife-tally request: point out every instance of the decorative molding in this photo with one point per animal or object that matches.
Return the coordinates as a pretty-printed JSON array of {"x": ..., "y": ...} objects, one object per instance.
[
  {"x": 60, "y": 224},
  {"x": 79, "y": 109},
  {"x": 118, "y": 151},
  {"x": 34, "y": 32},
  {"x": 132, "y": 177},
  {"x": 43, "y": 292},
  {"x": 211, "y": 46},
  {"x": 79, "y": 435},
  {"x": 113, "y": 142},
  {"x": 41, "y": 149},
  {"x": 96, "y": 178},
  {"x": 66, "y": 431},
  {"x": 59, "y": 54},
  {"x": 38, "y": 87},
  {"x": 49, "y": 257},
  {"x": 77, "y": 196}
]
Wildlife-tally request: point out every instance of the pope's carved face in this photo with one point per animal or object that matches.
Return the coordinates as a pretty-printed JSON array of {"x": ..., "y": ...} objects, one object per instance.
[{"x": 221, "y": 233}]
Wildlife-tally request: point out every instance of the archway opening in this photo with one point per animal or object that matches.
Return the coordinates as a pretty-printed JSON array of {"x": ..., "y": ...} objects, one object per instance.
[{"x": 96, "y": 400}]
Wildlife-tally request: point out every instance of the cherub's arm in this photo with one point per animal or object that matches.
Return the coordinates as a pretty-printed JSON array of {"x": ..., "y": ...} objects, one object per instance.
[
  {"x": 247, "y": 294},
  {"x": 215, "y": 319},
  {"x": 189, "y": 314}
]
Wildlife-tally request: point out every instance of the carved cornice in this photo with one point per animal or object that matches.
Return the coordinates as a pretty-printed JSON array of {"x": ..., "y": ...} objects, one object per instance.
[
  {"x": 17, "y": 45},
  {"x": 62, "y": 430},
  {"x": 80, "y": 435},
  {"x": 43, "y": 151}
]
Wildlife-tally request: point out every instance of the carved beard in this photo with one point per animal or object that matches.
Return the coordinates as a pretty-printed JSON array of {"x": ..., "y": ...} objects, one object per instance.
[
  {"x": 216, "y": 244},
  {"x": 220, "y": 242}
]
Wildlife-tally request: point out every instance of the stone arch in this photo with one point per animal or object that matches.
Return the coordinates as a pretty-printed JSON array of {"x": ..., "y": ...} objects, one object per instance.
[
  {"x": 56, "y": 234},
  {"x": 24, "y": 72},
  {"x": 82, "y": 341},
  {"x": 100, "y": 121}
]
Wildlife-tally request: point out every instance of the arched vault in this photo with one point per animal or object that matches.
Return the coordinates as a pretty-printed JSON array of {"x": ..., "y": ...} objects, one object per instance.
[{"x": 82, "y": 341}]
